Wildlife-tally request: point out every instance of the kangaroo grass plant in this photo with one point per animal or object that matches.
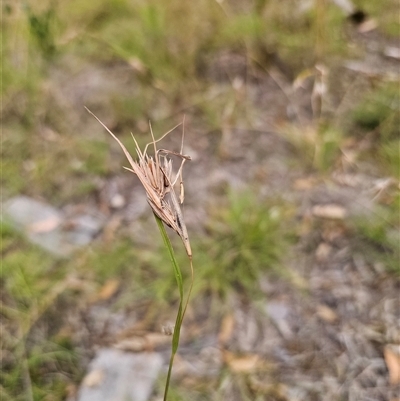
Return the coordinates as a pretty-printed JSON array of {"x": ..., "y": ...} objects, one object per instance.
[{"x": 156, "y": 175}]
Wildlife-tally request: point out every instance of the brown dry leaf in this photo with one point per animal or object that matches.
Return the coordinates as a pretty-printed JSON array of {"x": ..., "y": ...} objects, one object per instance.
[
  {"x": 226, "y": 329},
  {"x": 138, "y": 66},
  {"x": 272, "y": 389},
  {"x": 133, "y": 344},
  {"x": 157, "y": 339},
  {"x": 71, "y": 390},
  {"x": 391, "y": 354},
  {"x": 322, "y": 252},
  {"x": 330, "y": 211},
  {"x": 327, "y": 314},
  {"x": 94, "y": 378},
  {"x": 109, "y": 289},
  {"x": 45, "y": 226},
  {"x": 368, "y": 25},
  {"x": 147, "y": 342},
  {"x": 349, "y": 157},
  {"x": 241, "y": 364},
  {"x": 302, "y": 184}
]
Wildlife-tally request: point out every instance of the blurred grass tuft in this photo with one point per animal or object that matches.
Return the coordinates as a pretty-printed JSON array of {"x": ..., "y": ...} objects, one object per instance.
[{"x": 244, "y": 239}]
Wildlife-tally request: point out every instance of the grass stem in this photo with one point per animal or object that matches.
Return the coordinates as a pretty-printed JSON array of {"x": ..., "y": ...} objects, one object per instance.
[{"x": 181, "y": 309}]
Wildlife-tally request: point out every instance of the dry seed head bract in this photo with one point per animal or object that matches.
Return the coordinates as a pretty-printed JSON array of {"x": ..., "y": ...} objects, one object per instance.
[{"x": 155, "y": 174}]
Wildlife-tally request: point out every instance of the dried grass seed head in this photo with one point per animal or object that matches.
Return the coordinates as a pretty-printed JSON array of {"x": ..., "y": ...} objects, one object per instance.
[{"x": 155, "y": 174}]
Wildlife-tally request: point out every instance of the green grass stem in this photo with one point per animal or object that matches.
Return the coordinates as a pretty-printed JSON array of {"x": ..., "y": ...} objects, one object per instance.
[{"x": 181, "y": 309}]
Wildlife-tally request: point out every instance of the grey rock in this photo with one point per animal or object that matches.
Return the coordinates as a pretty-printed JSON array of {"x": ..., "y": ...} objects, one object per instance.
[
  {"x": 393, "y": 52},
  {"x": 84, "y": 228},
  {"x": 119, "y": 376},
  {"x": 47, "y": 227}
]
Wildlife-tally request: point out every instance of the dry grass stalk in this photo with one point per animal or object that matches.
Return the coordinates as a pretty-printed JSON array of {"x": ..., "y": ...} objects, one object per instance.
[{"x": 155, "y": 174}]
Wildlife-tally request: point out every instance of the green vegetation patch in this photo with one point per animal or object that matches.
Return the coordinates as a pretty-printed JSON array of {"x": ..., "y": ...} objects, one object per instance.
[
  {"x": 245, "y": 238},
  {"x": 379, "y": 116},
  {"x": 378, "y": 235},
  {"x": 380, "y": 109},
  {"x": 35, "y": 361}
]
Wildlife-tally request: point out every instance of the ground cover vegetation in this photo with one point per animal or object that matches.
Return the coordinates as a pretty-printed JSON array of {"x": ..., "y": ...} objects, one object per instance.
[{"x": 230, "y": 67}]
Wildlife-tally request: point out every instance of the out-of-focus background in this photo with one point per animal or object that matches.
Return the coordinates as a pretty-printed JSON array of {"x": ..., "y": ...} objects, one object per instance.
[{"x": 292, "y": 199}]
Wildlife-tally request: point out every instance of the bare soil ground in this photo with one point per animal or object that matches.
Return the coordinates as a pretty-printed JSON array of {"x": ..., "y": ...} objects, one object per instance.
[
  {"x": 325, "y": 328},
  {"x": 321, "y": 335}
]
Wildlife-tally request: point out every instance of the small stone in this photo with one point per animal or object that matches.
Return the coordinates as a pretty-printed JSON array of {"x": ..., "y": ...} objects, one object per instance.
[
  {"x": 120, "y": 376},
  {"x": 28, "y": 215},
  {"x": 83, "y": 228},
  {"x": 47, "y": 227}
]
